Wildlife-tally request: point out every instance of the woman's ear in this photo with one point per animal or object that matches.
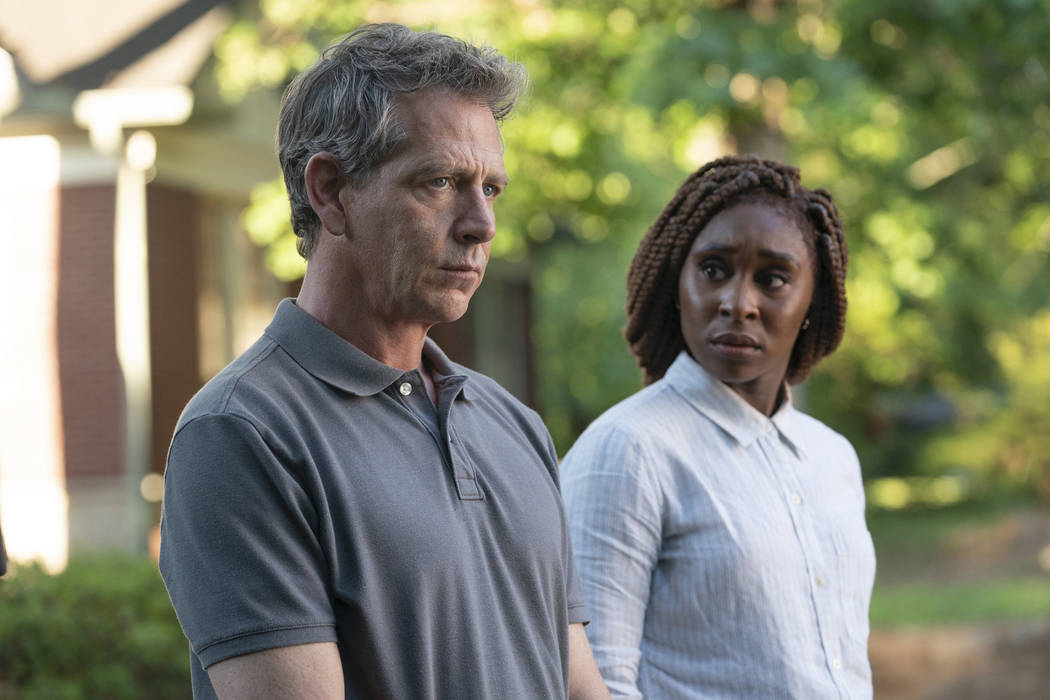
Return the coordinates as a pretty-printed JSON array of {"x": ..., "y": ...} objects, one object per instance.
[{"x": 324, "y": 183}]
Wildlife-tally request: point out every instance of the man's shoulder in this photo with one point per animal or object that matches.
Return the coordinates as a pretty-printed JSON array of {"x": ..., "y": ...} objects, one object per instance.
[
  {"x": 488, "y": 389},
  {"x": 242, "y": 387},
  {"x": 501, "y": 410}
]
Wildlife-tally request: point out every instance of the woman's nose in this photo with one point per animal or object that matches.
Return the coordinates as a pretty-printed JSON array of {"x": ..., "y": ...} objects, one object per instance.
[{"x": 739, "y": 301}]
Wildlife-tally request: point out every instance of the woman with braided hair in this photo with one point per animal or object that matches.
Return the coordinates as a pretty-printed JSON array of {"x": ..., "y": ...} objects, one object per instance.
[{"x": 718, "y": 530}]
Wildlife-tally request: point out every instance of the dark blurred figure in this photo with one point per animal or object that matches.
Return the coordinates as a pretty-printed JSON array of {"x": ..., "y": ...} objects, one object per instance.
[{"x": 3, "y": 555}]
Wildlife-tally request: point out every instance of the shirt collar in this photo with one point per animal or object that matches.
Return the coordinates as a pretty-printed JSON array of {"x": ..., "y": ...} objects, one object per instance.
[
  {"x": 445, "y": 369},
  {"x": 727, "y": 409},
  {"x": 333, "y": 360}
]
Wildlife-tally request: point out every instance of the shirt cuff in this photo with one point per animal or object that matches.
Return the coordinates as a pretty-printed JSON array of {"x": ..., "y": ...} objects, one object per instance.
[{"x": 250, "y": 642}]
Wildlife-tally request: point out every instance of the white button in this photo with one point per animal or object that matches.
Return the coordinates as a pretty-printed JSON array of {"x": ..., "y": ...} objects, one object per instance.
[
  {"x": 405, "y": 389},
  {"x": 819, "y": 580},
  {"x": 836, "y": 664},
  {"x": 795, "y": 499},
  {"x": 768, "y": 427}
]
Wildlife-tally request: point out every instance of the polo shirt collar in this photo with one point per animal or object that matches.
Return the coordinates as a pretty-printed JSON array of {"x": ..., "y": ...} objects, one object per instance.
[
  {"x": 727, "y": 409},
  {"x": 327, "y": 356},
  {"x": 444, "y": 368}
]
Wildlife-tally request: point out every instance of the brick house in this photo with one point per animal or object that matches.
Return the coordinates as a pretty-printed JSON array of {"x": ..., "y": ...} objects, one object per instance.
[{"x": 127, "y": 278}]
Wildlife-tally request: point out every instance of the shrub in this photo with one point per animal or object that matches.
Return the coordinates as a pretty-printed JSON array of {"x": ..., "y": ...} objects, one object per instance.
[{"x": 103, "y": 628}]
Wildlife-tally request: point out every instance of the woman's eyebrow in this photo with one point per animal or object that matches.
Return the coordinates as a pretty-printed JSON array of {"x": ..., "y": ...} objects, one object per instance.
[
  {"x": 717, "y": 248},
  {"x": 779, "y": 255}
]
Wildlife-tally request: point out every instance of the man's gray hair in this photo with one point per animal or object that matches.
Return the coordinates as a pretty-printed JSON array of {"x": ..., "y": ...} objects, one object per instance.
[{"x": 346, "y": 102}]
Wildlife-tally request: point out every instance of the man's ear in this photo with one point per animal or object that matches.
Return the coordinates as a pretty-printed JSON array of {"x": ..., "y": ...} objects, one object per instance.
[{"x": 324, "y": 182}]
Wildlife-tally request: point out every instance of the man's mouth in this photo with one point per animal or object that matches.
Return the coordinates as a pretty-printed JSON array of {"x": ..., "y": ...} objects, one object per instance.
[
  {"x": 464, "y": 272},
  {"x": 462, "y": 267}
]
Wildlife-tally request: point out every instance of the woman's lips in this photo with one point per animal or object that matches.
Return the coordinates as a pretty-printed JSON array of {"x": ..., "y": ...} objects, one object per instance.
[
  {"x": 735, "y": 352},
  {"x": 735, "y": 346}
]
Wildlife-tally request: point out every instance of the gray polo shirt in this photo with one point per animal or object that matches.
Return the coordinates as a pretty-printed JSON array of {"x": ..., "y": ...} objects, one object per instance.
[{"x": 314, "y": 494}]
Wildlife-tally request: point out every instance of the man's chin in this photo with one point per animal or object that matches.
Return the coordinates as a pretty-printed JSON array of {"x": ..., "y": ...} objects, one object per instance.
[{"x": 450, "y": 308}]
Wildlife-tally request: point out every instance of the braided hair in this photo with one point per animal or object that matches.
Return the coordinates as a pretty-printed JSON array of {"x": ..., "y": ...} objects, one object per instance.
[{"x": 653, "y": 329}]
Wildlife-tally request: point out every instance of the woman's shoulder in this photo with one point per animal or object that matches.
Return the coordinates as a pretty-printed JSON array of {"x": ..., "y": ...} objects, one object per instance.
[
  {"x": 622, "y": 448},
  {"x": 822, "y": 438},
  {"x": 647, "y": 412},
  {"x": 649, "y": 426}
]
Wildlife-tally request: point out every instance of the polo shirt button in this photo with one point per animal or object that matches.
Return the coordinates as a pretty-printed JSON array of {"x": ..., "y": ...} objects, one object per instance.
[{"x": 405, "y": 388}]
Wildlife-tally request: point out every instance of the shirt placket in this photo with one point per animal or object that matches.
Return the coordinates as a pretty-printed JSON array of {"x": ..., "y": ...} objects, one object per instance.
[
  {"x": 409, "y": 389},
  {"x": 784, "y": 466},
  {"x": 463, "y": 471}
]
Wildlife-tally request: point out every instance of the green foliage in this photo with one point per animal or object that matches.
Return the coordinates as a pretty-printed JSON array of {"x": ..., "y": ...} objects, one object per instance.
[
  {"x": 939, "y": 603},
  {"x": 103, "y": 628},
  {"x": 986, "y": 560},
  {"x": 1005, "y": 434},
  {"x": 927, "y": 121},
  {"x": 267, "y": 222},
  {"x": 909, "y": 543}
]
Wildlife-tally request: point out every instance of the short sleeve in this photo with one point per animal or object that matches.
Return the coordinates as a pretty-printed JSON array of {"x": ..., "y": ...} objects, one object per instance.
[
  {"x": 576, "y": 602},
  {"x": 240, "y": 552},
  {"x": 614, "y": 507}
]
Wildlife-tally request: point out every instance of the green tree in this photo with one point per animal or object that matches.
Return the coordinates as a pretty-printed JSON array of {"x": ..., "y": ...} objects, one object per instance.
[{"x": 927, "y": 121}]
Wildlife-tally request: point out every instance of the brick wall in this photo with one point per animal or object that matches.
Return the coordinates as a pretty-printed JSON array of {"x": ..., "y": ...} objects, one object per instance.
[
  {"x": 174, "y": 219},
  {"x": 89, "y": 374}
]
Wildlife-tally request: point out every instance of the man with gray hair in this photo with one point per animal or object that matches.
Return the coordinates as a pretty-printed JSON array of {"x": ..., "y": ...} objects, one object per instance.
[{"x": 347, "y": 512}]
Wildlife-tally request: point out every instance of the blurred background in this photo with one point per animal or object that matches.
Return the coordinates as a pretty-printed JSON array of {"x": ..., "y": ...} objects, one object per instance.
[{"x": 146, "y": 243}]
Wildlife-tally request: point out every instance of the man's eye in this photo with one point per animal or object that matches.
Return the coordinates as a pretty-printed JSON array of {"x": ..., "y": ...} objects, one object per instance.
[
  {"x": 490, "y": 190},
  {"x": 440, "y": 182}
]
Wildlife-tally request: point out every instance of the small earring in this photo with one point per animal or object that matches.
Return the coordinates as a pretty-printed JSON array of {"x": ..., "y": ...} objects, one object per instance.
[{"x": 805, "y": 324}]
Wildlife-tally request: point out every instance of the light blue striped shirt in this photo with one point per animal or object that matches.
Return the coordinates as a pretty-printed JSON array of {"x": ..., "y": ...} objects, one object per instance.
[{"x": 723, "y": 554}]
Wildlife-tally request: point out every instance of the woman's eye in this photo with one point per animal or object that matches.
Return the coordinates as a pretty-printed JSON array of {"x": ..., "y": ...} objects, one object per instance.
[
  {"x": 774, "y": 281},
  {"x": 713, "y": 271}
]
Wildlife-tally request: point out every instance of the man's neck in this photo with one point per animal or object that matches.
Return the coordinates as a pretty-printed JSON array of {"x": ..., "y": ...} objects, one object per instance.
[{"x": 399, "y": 346}]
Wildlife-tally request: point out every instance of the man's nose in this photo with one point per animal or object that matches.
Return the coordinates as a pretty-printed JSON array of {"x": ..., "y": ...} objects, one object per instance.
[
  {"x": 739, "y": 300},
  {"x": 475, "y": 220}
]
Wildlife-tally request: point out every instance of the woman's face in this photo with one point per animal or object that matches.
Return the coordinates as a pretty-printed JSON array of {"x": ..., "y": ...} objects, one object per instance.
[{"x": 744, "y": 291}]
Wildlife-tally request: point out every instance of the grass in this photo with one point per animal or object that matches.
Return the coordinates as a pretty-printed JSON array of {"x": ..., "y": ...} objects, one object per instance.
[
  {"x": 928, "y": 603},
  {"x": 969, "y": 563},
  {"x": 909, "y": 537}
]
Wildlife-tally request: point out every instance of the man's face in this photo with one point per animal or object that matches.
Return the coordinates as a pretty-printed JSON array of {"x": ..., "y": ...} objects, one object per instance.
[{"x": 418, "y": 232}]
